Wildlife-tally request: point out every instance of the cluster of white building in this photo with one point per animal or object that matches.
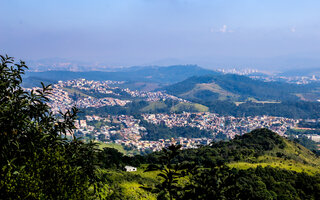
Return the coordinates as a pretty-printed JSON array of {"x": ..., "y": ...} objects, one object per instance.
[
  {"x": 228, "y": 125},
  {"x": 60, "y": 99}
]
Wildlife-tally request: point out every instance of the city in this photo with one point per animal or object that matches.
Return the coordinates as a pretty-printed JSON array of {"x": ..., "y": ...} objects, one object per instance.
[{"x": 126, "y": 130}]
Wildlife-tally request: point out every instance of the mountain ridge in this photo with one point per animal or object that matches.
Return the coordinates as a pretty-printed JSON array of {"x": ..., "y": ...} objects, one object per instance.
[
  {"x": 163, "y": 75},
  {"x": 234, "y": 88}
]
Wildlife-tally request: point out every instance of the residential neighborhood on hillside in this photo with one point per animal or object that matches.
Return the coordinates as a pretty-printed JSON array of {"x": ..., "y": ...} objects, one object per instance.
[{"x": 127, "y": 130}]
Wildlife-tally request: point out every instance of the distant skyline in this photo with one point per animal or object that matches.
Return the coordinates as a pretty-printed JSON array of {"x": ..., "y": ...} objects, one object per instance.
[{"x": 273, "y": 34}]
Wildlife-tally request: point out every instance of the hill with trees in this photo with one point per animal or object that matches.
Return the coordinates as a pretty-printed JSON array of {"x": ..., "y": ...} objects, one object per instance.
[
  {"x": 257, "y": 165},
  {"x": 238, "y": 96},
  {"x": 234, "y": 88},
  {"x": 138, "y": 107},
  {"x": 290, "y": 109},
  {"x": 259, "y": 147}
]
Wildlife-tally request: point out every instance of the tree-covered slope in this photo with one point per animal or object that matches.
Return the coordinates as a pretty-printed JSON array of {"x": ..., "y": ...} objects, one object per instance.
[
  {"x": 257, "y": 165},
  {"x": 259, "y": 147},
  {"x": 235, "y": 88}
]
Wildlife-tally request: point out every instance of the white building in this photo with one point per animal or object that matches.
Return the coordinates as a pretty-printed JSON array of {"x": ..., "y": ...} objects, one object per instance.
[{"x": 130, "y": 169}]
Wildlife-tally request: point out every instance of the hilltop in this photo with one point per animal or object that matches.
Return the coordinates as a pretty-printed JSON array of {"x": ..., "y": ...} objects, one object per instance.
[
  {"x": 236, "y": 95},
  {"x": 256, "y": 165},
  {"x": 234, "y": 88},
  {"x": 260, "y": 147}
]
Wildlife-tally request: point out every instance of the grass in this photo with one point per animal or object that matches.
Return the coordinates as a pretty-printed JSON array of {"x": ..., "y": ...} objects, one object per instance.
[
  {"x": 309, "y": 96},
  {"x": 153, "y": 175},
  {"x": 293, "y": 157},
  {"x": 255, "y": 101},
  {"x": 132, "y": 190},
  {"x": 148, "y": 175},
  {"x": 223, "y": 94},
  {"x": 153, "y": 106},
  {"x": 119, "y": 147},
  {"x": 112, "y": 145},
  {"x": 189, "y": 106},
  {"x": 144, "y": 86},
  {"x": 299, "y": 153},
  {"x": 293, "y": 166},
  {"x": 73, "y": 91},
  {"x": 128, "y": 184},
  {"x": 200, "y": 108},
  {"x": 182, "y": 106}
]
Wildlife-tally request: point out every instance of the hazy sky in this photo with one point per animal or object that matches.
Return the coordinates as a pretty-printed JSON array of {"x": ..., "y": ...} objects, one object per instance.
[{"x": 134, "y": 32}]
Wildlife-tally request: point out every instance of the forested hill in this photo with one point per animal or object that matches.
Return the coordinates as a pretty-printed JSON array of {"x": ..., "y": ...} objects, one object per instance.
[
  {"x": 260, "y": 147},
  {"x": 165, "y": 75},
  {"x": 256, "y": 165},
  {"x": 235, "y": 88}
]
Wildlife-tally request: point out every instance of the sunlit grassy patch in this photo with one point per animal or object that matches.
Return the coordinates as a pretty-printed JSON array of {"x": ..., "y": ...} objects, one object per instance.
[
  {"x": 297, "y": 167},
  {"x": 112, "y": 145},
  {"x": 132, "y": 190}
]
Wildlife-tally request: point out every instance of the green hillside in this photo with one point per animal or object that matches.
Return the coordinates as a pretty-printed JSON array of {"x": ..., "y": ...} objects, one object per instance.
[
  {"x": 178, "y": 107},
  {"x": 235, "y": 88},
  {"x": 208, "y": 92},
  {"x": 155, "y": 107},
  {"x": 127, "y": 185},
  {"x": 293, "y": 157},
  {"x": 257, "y": 165},
  {"x": 189, "y": 107},
  {"x": 259, "y": 147}
]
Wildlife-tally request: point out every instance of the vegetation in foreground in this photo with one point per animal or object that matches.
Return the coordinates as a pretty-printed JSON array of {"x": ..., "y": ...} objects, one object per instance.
[{"x": 38, "y": 162}]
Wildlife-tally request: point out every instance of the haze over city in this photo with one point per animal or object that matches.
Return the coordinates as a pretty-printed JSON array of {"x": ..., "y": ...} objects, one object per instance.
[{"x": 256, "y": 34}]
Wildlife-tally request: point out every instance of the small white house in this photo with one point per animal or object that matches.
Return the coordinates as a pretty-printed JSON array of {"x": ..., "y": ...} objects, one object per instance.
[{"x": 130, "y": 169}]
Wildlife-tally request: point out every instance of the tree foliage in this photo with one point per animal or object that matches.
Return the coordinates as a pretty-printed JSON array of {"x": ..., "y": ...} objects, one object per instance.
[
  {"x": 289, "y": 109},
  {"x": 170, "y": 173},
  {"x": 36, "y": 159},
  {"x": 220, "y": 182},
  {"x": 156, "y": 132}
]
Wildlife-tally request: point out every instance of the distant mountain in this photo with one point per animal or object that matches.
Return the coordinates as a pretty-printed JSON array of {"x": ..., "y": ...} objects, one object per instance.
[
  {"x": 234, "y": 88},
  {"x": 59, "y": 64},
  {"x": 33, "y": 81},
  {"x": 164, "y": 75},
  {"x": 301, "y": 72}
]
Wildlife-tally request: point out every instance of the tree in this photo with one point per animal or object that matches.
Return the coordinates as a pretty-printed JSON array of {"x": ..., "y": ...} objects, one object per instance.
[
  {"x": 170, "y": 174},
  {"x": 36, "y": 159}
]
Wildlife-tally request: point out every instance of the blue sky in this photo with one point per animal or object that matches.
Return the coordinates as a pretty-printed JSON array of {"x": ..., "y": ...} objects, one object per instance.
[{"x": 212, "y": 33}]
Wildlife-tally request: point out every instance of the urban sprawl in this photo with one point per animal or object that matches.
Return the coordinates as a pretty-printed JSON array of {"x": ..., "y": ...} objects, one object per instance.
[{"x": 127, "y": 130}]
